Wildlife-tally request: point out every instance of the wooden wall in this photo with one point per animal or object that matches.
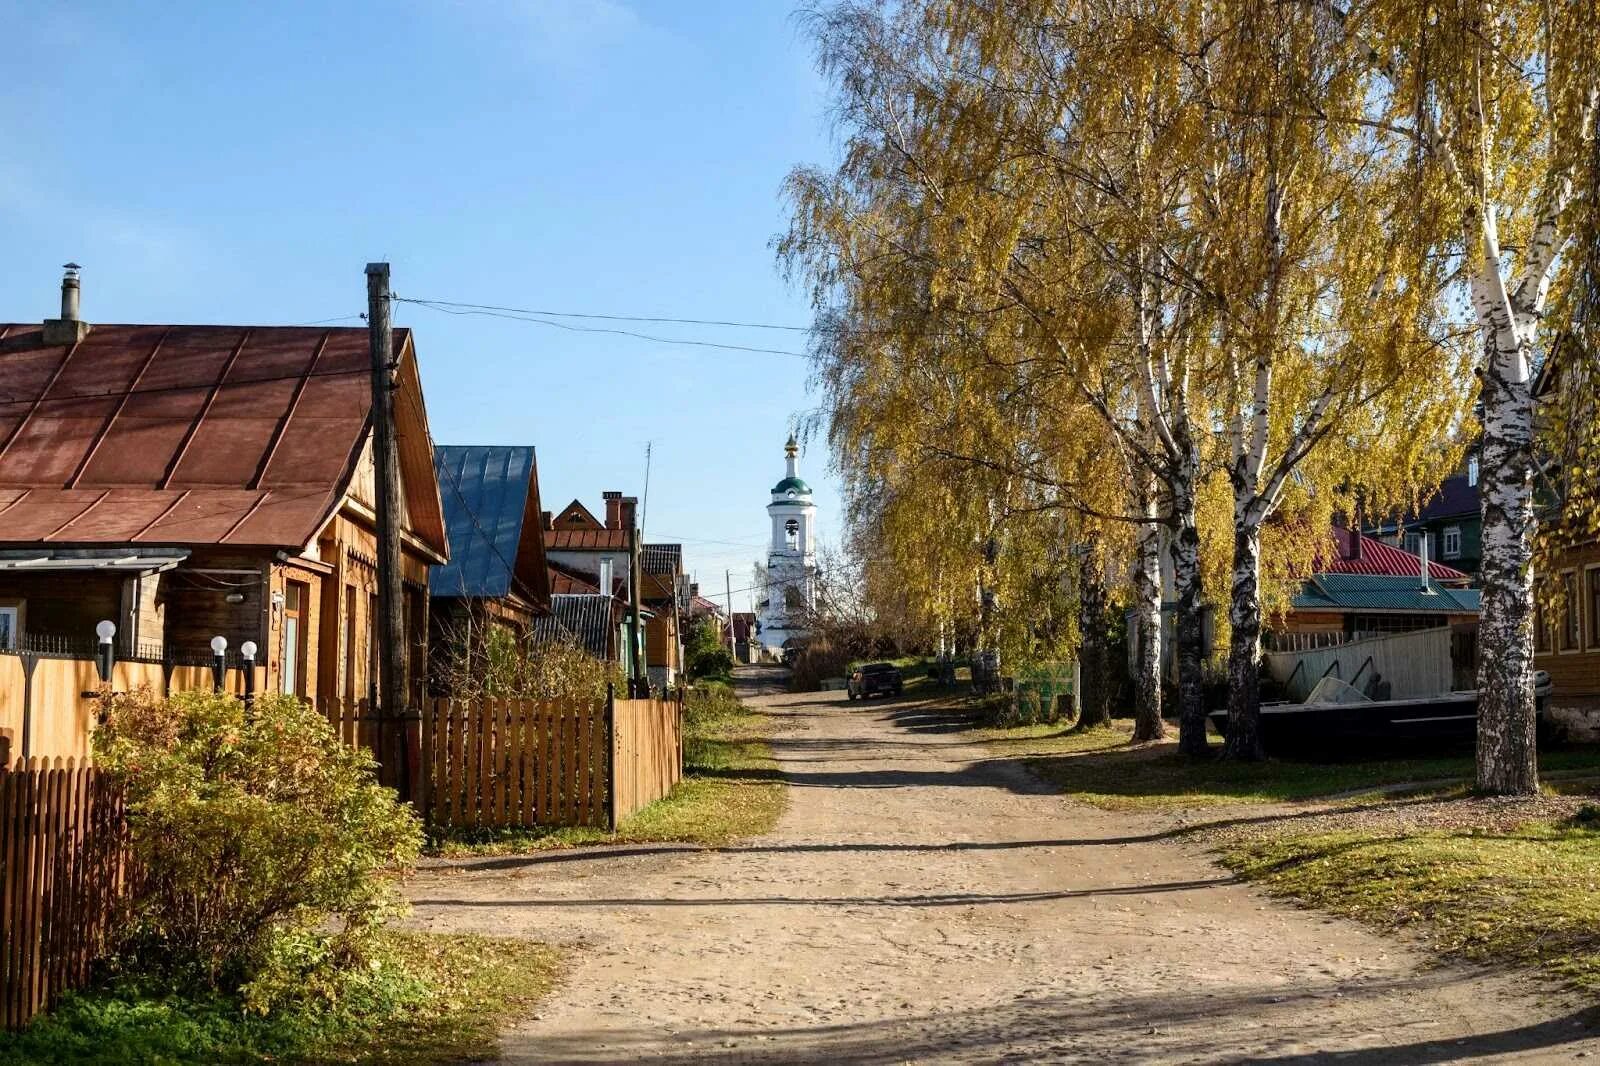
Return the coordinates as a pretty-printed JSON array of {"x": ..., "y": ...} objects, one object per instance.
[
  {"x": 1574, "y": 673},
  {"x": 1415, "y": 664}
]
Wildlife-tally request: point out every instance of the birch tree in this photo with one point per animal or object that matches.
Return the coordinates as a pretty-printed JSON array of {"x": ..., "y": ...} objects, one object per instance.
[
  {"x": 1493, "y": 102},
  {"x": 1324, "y": 333}
]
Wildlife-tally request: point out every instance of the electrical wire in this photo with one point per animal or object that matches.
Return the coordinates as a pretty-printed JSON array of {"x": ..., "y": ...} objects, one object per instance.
[{"x": 435, "y": 306}]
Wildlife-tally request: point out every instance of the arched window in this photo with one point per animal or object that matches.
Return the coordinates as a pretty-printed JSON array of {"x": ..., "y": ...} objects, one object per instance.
[
  {"x": 792, "y": 599},
  {"x": 791, "y": 533}
]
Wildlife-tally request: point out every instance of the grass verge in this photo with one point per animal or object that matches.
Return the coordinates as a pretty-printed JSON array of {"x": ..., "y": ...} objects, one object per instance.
[
  {"x": 1528, "y": 895},
  {"x": 434, "y": 999},
  {"x": 730, "y": 789},
  {"x": 1101, "y": 767}
]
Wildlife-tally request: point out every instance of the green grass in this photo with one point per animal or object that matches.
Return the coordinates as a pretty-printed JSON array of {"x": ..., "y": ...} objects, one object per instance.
[
  {"x": 730, "y": 790},
  {"x": 1102, "y": 768},
  {"x": 435, "y": 999},
  {"x": 1530, "y": 896}
]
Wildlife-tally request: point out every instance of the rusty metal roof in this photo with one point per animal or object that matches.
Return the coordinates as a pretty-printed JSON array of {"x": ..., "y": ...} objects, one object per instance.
[
  {"x": 193, "y": 434},
  {"x": 615, "y": 540}
]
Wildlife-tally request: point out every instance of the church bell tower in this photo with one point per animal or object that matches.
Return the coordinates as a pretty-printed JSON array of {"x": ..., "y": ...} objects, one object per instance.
[{"x": 791, "y": 558}]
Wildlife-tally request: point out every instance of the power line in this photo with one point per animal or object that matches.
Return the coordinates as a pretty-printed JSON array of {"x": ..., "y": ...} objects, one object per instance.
[{"x": 523, "y": 317}]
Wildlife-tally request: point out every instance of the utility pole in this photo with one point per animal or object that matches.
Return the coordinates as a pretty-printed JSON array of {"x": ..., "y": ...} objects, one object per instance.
[
  {"x": 392, "y": 697},
  {"x": 727, "y": 585}
]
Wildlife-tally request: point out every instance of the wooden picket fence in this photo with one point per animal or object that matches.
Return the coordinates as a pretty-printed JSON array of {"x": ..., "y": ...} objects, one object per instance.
[
  {"x": 63, "y": 870},
  {"x": 646, "y": 753},
  {"x": 524, "y": 763}
]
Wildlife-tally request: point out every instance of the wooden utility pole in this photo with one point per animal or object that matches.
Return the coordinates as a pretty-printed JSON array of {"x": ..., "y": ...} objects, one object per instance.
[
  {"x": 727, "y": 585},
  {"x": 393, "y": 744}
]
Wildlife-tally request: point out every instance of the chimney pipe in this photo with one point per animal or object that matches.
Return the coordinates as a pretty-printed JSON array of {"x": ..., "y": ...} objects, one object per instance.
[
  {"x": 69, "y": 328},
  {"x": 69, "y": 293},
  {"x": 1422, "y": 547},
  {"x": 613, "y": 509}
]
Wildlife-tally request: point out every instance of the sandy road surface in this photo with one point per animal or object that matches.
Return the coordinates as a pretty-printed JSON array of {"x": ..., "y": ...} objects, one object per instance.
[{"x": 922, "y": 901}]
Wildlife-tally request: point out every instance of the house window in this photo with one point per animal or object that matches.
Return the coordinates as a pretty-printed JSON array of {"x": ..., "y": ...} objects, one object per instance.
[
  {"x": 8, "y": 628},
  {"x": 1541, "y": 629},
  {"x": 1452, "y": 542},
  {"x": 295, "y": 602},
  {"x": 1569, "y": 611},
  {"x": 1593, "y": 577},
  {"x": 1413, "y": 543}
]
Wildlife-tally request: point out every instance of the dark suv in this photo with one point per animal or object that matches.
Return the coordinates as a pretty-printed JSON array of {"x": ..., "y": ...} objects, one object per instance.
[{"x": 875, "y": 679}]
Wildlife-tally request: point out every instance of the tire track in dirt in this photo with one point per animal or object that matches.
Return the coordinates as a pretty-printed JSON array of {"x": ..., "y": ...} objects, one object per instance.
[{"x": 923, "y": 901}]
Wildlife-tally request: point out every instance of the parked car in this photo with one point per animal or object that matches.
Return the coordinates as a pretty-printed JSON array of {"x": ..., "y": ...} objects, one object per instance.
[{"x": 875, "y": 679}]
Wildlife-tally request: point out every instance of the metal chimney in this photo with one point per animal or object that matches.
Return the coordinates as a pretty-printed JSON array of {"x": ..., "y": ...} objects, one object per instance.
[
  {"x": 69, "y": 328},
  {"x": 1422, "y": 548}
]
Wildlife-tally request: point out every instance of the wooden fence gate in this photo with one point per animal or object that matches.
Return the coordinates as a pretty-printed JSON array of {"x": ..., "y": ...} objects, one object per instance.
[
  {"x": 522, "y": 763},
  {"x": 63, "y": 868}
]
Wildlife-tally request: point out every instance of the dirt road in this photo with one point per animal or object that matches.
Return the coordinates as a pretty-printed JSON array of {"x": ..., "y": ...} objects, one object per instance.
[{"x": 922, "y": 901}]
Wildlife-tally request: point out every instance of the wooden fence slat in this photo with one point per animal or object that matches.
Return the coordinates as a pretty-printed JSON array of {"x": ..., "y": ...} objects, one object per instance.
[
  {"x": 570, "y": 753},
  {"x": 502, "y": 761},
  {"x": 525, "y": 767}
]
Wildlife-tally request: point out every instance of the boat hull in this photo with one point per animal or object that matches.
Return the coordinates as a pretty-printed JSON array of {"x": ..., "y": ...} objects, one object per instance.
[{"x": 1452, "y": 717}]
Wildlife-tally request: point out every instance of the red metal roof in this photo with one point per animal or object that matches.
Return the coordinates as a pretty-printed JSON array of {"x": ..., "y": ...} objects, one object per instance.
[
  {"x": 1378, "y": 558},
  {"x": 191, "y": 434},
  {"x": 615, "y": 540}
]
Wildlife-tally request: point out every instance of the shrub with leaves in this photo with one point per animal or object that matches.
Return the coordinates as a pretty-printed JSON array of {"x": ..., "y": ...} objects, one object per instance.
[
  {"x": 708, "y": 657},
  {"x": 265, "y": 848}
]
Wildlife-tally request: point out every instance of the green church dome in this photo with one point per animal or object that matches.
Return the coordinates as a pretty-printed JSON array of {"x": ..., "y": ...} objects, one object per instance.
[{"x": 800, "y": 487}]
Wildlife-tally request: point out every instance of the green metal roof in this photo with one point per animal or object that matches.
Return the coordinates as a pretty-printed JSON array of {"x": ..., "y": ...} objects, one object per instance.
[
  {"x": 792, "y": 483},
  {"x": 1372, "y": 592}
]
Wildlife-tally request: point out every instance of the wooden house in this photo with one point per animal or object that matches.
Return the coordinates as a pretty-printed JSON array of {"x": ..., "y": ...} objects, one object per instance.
[
  {"x": 664, "y": 592},
  {"x": 497, "y": 577},
  {"x": 190, "y": 482},
  {"x": 1367, "y": 587},
  {"x": 606, "y": 556}
]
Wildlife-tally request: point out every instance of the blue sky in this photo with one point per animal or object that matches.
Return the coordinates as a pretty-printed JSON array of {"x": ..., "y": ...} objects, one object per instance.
[{"x": 242, "y": 163}]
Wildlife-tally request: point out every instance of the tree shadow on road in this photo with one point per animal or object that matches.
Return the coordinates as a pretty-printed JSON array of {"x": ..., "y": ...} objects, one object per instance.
[{"x": 1309, "y": 1022}]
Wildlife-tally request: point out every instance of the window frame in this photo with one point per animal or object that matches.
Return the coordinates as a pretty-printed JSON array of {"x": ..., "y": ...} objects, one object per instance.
[
  {"x": 1591, "y": 583},
  {"x": 1569, "y": 635},
  {"x": 1445, "y": 551},
  {"x": 14, "y": 610}
]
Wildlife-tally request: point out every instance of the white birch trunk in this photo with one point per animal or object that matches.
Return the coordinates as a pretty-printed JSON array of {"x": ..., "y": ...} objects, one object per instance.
[
  {"x": 1507, "y": 752},
  {"x": 1148, "y": 724}
]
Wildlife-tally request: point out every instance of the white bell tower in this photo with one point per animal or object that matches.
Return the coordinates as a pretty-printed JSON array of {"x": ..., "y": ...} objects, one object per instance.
[{"x": 791, "y": 558}]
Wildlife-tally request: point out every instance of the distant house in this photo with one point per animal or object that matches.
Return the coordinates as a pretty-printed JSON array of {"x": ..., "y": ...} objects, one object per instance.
[
  {"x": 190, "y": 482},
  {"x": 1367, "y": 588},
  {"x": 665, "y": 593},
  {"x": 1449, "y": 519},
  {"x": 606, "y": 556},
  {"x": 497, "y": 577}
]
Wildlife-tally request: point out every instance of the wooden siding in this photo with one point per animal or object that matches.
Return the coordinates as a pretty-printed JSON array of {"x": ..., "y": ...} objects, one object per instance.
[
  {"x": 42, "y": 701},
  {"x": 1415, "y": 664},
  {"x": 1575, "y": 673}
]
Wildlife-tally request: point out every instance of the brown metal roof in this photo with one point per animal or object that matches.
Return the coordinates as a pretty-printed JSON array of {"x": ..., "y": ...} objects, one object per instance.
[
  {"x": 586, "y": 539},
  {"x": 193, "y": 434}
]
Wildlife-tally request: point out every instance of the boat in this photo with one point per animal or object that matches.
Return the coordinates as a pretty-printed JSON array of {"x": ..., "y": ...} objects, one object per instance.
[{"x": 1336, "y": 713}]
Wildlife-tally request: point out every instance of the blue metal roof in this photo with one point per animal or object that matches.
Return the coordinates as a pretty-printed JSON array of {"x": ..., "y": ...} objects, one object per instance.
[
  {"x": 485, "y": 494},
  {"x": 1373, "y": 592}
]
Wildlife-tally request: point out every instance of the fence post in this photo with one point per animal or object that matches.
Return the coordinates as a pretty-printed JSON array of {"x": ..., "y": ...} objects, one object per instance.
[
  {"x": 425, "y": 761},
  {"x": 611, "y": 756}
]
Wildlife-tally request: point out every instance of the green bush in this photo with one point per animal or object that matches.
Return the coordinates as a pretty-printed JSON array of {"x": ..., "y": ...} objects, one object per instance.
[
  {"x": 707, "y": 657},
  {"x": 263, "y": 844}
]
